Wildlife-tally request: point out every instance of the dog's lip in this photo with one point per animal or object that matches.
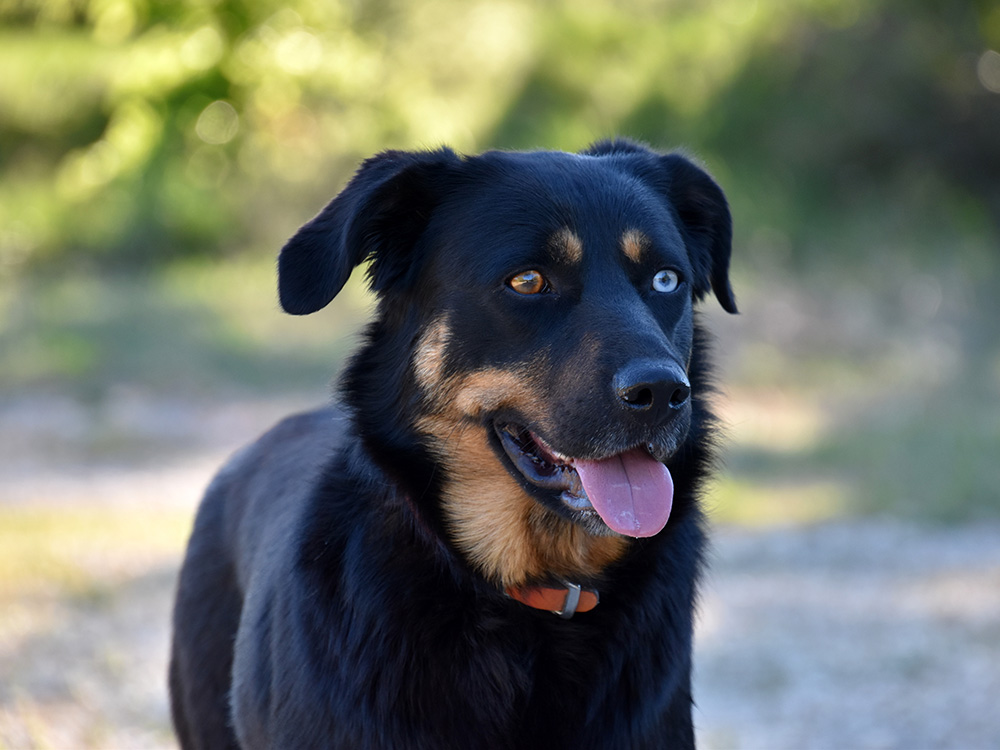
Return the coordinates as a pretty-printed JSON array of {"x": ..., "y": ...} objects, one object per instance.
[
  {"x": 540, "y": 464},
  {"x": 545, "y": 467}
]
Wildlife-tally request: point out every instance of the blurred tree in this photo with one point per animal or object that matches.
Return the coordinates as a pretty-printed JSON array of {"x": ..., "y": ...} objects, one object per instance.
[
  {"x": 136, "y": 130},
  {"x": 139, "y": 130},
  {"x": 825, "y": 117}
]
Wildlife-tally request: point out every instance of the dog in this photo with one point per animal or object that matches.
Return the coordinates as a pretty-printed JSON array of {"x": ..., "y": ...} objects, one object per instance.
[{"x": 494, "y": 539}]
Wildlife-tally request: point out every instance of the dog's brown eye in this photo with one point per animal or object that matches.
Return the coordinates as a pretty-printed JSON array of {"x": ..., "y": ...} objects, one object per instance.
[{"x": 528, "y": 282}]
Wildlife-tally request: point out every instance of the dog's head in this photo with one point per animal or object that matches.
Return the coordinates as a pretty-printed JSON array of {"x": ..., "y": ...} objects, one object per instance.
[{"x": 530, "y": 364}]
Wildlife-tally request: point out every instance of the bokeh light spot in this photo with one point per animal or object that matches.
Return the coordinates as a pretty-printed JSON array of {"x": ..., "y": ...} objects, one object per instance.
[
  {"x": 218, "y": 123},
  {"x": 202, "y": 49},
  {"x": 988, "y": 70},
  {"x": 299, "y": 52}
]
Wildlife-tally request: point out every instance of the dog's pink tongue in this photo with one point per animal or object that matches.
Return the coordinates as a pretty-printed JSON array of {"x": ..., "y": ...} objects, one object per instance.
[{"x": 632, "y": 492}]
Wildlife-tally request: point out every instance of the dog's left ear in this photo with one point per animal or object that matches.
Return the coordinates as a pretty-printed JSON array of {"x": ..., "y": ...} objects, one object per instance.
[
  {"x": 379, "y": 215},
  {"x": 706, "y": 224},
  {"x": 698, "y": 203}
]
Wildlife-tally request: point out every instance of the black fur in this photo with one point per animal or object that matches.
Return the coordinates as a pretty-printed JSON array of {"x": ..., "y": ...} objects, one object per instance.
[{"x": 324, "y": 601}]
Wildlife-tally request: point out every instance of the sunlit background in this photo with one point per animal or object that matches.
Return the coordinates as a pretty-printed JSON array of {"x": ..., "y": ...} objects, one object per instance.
[{"x": 155, "y": 155}]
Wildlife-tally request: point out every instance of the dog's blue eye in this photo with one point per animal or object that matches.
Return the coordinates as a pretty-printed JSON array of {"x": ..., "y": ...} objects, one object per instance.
[{"x": 666, "y": 280}]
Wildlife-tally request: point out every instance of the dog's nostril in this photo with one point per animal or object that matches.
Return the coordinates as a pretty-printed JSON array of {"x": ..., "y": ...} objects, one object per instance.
[
  {"x": 638, "y": 397},
  {"x": 680, "y": 396}
]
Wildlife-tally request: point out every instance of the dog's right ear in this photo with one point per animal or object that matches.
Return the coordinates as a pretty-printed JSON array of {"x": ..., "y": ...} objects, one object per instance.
[{"x": 379, "y": 215}]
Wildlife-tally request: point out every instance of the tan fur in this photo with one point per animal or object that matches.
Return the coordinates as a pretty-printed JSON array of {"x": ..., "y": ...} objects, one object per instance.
[
  {"x": 508, "y": 535},
  {"x": 566, "y": 246},
  {"x": 488, "y": 390},
  {"x": 428, "y": 356},
  {"x": 634, "y": 244},
  {"x": 503, "y": 531}
]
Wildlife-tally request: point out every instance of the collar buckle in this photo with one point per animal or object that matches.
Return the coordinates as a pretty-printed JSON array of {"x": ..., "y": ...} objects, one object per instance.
[
  {"x": 571, "y": 602},
  {"x": 563, "y": 601}
]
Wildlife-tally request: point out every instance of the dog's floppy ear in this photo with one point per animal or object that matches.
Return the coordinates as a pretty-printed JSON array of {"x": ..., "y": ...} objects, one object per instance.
[
  {"x": 379, "y": 215},
  {"x": 705, "y": 221},
  {"x": 698, "y": 203}
]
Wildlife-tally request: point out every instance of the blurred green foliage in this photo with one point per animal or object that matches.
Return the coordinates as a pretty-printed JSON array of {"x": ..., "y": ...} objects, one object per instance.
[
  {"x": 859, "y": 143},
  {"x": 134, "y": 131}
]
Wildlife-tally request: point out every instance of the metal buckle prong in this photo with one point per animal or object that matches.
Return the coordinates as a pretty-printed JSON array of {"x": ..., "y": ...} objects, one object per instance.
[{"x": 572, "y": 601}]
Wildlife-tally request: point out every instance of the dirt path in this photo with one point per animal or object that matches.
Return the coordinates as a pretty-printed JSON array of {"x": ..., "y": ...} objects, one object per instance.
[
  {"x": 852, "y": 635},
  {"x": 88, "y": 672},
  {"x": 847, "y": 635}
]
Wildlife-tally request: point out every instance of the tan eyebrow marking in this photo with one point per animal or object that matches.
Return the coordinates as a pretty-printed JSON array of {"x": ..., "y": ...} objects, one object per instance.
[
  {"x": 634, "y": 244},
  {"x": 566, "y": 246}
]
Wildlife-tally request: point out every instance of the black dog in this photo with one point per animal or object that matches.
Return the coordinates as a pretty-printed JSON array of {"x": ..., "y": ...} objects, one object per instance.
[{"x": 524, "y": 431}]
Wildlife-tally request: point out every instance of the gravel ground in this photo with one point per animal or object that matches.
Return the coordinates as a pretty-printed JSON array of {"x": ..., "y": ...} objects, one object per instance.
[
  {"x": 852, "y": 635},
  {"x": 845, "y": 635},
  {"x": 89, "y": 672}
]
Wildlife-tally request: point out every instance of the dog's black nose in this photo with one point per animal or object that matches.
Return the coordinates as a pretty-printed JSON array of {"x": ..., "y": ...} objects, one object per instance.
[{"x": 654, "y": 388}]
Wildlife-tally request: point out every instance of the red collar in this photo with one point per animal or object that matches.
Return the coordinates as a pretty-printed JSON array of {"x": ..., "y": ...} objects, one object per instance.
[{"x": 565, "y": 601}]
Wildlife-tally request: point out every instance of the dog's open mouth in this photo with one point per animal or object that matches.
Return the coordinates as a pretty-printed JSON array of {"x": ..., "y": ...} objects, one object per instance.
[{"x": 632, "y": 492}]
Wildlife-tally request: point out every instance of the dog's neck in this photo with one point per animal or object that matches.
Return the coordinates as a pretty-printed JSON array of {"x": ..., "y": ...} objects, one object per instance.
[{"x": 564, "y": 600}]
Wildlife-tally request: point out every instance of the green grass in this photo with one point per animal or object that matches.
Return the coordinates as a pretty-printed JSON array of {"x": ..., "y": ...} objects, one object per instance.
[
  {"x": 193, "y": 329},
  {"x": 871, "y": 392},
  {"x": 917, "y": 457},
  {"x": 777, "y": 502},
  {"x": 82, "y": 551}
]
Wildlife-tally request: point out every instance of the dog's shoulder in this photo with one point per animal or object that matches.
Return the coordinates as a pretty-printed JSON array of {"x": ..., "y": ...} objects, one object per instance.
[{"x": 266, "y": 483}]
